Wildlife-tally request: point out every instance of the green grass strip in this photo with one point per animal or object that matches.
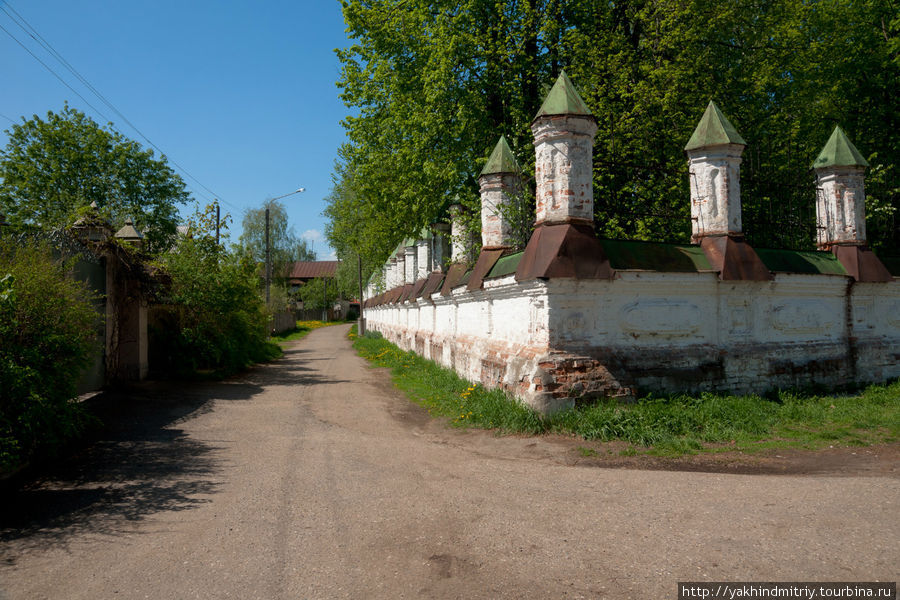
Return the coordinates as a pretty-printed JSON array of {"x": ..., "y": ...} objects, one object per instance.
[{"x": 670, "y": 425}]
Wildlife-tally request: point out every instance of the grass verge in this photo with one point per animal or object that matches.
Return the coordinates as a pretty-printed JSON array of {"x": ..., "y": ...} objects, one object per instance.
[{"x": 671, "y": 425}]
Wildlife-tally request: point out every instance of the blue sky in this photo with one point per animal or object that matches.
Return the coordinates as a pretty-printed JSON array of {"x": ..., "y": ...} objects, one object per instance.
[{"x": 241, "y": 95}]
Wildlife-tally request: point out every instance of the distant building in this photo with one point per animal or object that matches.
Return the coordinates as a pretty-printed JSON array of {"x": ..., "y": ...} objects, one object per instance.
[{"x": 304, "y": 271}]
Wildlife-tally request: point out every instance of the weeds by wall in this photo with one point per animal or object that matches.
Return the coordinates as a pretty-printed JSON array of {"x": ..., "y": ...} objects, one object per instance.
[{"x": 670, "y": 425}]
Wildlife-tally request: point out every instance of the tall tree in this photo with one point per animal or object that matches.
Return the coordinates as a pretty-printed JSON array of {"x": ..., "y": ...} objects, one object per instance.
[
  {"x": 430, "y": 81},
  {"x": 285, "y": 246},
  {"x": 52, "y": 167},
  {"x": 434, "y": 84},
  {"x": 354, "y": 228}
]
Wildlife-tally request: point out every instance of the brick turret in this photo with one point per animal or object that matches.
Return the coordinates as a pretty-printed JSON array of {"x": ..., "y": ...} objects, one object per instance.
[
  {"x": 841, "y": 208},
  {"x": 563, "y": 243},
  {"x": 714, "y": 162},
  {"x": 500, "y": 181},
  {"x": 841, "y": 194},
  {"x": 461, "y": 236},
  {"x": 410, "y": 260},
  {"x": 714, "y": 167},
  {"x": 564, "y": 131}
]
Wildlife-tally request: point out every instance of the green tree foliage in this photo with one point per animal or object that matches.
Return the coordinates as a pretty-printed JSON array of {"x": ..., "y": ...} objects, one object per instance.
[
  {"x": 217, "y": 319},
  {"x": 347, "y": 279},
  {"x": 203, "y": 223},
  {"x": 319, "y": 293},
  {"x": 285, "y": 246},
  {"x": 434, "y": 84},
  {"x": 47, "y": 336},
  {"x": 355, "y": 229},
  {"x": 52, "y": 167}
]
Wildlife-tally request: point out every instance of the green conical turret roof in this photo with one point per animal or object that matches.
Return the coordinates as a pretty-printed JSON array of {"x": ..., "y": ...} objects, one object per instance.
[
  {"x": 563, "y": 100},
  {"x": 839, "y": 152},
  {"x": 502, "y": 160},
  {"x": 714, "y": 129}
]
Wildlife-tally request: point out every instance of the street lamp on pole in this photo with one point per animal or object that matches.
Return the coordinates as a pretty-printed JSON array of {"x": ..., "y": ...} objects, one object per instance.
[
  {"x": 361, "y": 325},
  {"x": 268, "y": 249}
]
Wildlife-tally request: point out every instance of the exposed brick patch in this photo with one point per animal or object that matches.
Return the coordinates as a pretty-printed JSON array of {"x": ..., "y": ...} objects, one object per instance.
[
  {"x": 582, "y": 378},
  {"x": 492, "y": 372},
  {"x": 420, "y": 344}
]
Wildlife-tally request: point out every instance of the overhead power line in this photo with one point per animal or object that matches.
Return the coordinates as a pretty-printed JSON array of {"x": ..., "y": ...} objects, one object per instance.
[
  {"x": 31, "y": 32},
  {"x": 52, "y": 72}
]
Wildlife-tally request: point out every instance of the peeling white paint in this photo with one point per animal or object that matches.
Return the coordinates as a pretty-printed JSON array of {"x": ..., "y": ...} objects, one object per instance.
[
  {"x": 653, "y": 331},
  {"x": 840, "y": 206}
]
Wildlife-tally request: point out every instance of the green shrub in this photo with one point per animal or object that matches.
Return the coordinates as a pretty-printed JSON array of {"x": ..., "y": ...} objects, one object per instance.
[
  {"x": 216, "y": 318},
  {"x": 47, "y": 336}
]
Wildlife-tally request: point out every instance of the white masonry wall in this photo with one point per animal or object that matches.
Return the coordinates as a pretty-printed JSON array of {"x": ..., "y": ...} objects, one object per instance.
[
  {"x": 875, "y": 322},
  {"x": 551, "y": 341}
]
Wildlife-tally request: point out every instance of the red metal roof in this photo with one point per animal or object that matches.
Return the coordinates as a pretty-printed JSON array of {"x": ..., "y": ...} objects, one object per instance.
[{"x": 313, "y": 269}]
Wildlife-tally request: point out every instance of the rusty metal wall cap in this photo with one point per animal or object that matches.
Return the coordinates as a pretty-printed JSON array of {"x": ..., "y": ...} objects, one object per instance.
[
  {"x": 862, "y": 264},
  {"x": 486, "y": 261},
  {"x": 454, "y": 275},
  {"x": 418, "y": 286},
  {"x": 564, "y": 250},
  {"x": 734, "y": 259},
  {"x": 433, "y": 284}
]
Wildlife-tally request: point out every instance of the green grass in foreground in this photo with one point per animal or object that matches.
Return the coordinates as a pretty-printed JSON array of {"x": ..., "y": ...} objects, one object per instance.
[{"x": 670, "y": 425}]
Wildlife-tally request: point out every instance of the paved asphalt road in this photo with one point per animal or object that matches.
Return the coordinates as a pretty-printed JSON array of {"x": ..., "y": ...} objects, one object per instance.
[{"x": 311, "y": 478}]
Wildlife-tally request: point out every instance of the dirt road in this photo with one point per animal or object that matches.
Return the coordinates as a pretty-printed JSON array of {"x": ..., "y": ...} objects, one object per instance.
[{"x": 311, "y": 478}]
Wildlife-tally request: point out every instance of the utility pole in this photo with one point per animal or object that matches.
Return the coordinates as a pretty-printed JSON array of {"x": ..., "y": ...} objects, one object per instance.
[
  {"x": 217, "y": 221},
  {"x": 361, "y": 326},
  {"x": 268, "y": 250},
  {"x": 268, "y": 262},
  {"x": 324, "y": 300}
]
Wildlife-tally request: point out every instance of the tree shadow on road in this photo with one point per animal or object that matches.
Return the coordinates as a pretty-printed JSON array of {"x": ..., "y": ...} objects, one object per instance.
[
  {"x": 294, "y": 369},
  {"x": 138, "y": 463}
]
